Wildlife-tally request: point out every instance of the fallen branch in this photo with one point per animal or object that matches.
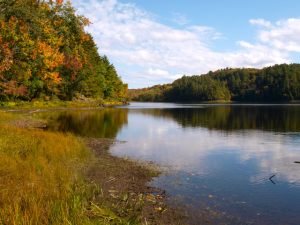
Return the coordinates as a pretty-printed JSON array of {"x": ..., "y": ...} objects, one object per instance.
[{"x": 270, "y": 178}]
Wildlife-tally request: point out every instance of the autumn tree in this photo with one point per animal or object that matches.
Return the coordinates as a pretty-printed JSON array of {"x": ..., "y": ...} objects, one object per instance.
[{"x": 45, "y": 52}]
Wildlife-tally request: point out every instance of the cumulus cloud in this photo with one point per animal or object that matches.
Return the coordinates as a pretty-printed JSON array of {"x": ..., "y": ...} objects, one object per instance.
[
  {"x": 282, "y": 35},
  {"x": 139, "y": 45}
]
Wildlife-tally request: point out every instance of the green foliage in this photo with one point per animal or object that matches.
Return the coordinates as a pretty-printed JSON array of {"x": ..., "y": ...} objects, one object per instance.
[
  {"x": 276, "y": 83},
  {"x": 198, "y": 88},
  {"x": 153, "y": 94},
  {"x": 46, "y": 53}
]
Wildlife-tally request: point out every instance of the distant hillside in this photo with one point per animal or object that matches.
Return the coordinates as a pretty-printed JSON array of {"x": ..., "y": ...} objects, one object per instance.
[
  {"x": 151, "y": 94},
  {"x": 45, "y": 53},
  {"x": 277, "y": 83}
]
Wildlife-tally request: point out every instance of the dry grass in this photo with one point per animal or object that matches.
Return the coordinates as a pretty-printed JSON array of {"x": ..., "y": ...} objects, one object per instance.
[
  {"x": 38, "y": 104},
  {"x": 5, "y": 117},
  {"x": 41, "y": 179}
]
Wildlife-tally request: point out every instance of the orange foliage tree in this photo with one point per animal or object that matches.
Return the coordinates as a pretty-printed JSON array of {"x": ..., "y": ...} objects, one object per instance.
[{"x": 44, "y": 53}]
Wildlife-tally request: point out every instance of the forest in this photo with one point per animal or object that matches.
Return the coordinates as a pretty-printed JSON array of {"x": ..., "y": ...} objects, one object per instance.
[
  {"x": 278, "y": 83},
  {"x": 46, "y": 54}
]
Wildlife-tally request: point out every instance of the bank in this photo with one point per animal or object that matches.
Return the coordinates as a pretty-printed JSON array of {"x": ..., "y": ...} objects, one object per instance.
[{"x": 55, "y": 178}]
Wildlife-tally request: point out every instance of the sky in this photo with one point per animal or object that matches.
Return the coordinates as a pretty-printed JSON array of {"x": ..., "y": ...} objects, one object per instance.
[{"x": 157, "y": 41}]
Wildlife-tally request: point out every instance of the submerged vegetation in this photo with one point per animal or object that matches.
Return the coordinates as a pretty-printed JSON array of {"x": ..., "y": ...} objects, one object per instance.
[
  {"x": 270, "y": 84},
  {"x": 46, "y": 54}
]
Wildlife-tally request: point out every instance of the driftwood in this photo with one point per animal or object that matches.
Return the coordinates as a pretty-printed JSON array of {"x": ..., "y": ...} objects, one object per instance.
[{"x": 270, "y": 178}]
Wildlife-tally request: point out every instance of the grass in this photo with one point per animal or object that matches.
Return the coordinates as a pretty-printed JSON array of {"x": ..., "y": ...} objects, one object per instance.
[
  {"x": 5, "y": 117},
  {"x": 38, "y": 104},
  {"x": 42, "y": 179}
]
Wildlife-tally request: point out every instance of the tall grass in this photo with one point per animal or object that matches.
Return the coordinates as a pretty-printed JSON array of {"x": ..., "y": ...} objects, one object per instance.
[
  {"x": 41, "y": 179},
  {"x": 5, "y": 117},
  {"x": 39, "y": 104}
]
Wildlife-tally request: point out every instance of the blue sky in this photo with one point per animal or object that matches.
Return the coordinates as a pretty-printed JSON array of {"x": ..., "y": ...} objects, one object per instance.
[
  {"x": 230, "y": 17},
  {"x": 157, "y": 41}
]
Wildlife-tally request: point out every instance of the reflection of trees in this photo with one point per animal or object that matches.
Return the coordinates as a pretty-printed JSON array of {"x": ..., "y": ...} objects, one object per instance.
[
  {"x": 276, "y": 118},
  {"x": 100, "y": 123}
]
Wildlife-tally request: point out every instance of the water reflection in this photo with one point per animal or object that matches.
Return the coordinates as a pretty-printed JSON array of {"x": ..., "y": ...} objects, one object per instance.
[
  {"x": 104, "y": 123},
  {"x": 274, "y": 118},
  {"x": 187, "y": 149},
  {"x": 219, "y": 156},
  {"x": 228, "y": 152}
]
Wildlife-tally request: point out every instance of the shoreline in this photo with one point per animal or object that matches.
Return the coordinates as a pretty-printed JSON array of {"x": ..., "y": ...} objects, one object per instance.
[
  {"x": 124, "y": 183},
  {"x": 120, "y": 187},
  {"x": 59, "y": 105},
  {"x": 224, "y": 102}
]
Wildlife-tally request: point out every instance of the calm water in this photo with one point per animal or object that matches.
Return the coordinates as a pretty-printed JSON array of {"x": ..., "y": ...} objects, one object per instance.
[{"x": 219, "y": 157}]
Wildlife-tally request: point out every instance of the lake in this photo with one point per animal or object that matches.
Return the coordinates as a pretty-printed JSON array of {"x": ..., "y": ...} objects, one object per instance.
[{"x": 235, "y": 163}]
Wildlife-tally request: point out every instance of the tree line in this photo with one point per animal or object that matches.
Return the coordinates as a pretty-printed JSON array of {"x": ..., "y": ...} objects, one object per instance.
[
  {"x": 45, "y": 53},
  {"x": 276, "y": 83}
]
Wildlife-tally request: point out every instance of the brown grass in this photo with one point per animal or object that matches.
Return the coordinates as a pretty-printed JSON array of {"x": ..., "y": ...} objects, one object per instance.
[{"x": 41, "y": 179}]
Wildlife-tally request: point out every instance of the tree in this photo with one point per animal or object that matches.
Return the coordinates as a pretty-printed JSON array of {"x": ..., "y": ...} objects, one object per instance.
[{"x": 45, "y": 51}]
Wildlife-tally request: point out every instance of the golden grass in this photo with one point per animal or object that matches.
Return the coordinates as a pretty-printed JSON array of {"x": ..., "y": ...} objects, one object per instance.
[
  {"x": 4, "y": 117},
  {"x": 47, "y": 104},
  {"x": 37, "y": 104},
  {"x": 41, "y": 179}
]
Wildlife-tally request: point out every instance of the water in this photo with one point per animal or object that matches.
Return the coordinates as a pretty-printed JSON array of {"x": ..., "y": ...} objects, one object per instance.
[{"x": 219, "y": 157}]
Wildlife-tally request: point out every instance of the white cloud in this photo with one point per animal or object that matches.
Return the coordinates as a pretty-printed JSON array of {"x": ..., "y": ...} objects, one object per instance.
[
  {"x": 282, "y": 35},
  {"x": 135, "y": 39},
  {"x": 261, "y": 22},
  {"x": 159, "y": 72}
]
